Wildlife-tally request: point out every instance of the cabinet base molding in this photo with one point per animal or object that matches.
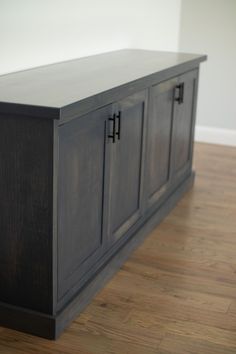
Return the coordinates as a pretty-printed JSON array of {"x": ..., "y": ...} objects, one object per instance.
[
  {"x": 51, "y": 327},
  {"x": 27, "y": 321}
]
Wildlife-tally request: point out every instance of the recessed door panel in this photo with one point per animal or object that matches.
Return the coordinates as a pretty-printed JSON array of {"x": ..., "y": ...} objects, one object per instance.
[
  {"x": 126, "y": 167},
  {"x": 159, "y": 140},
  {"x": 82, "y": 170},
  {"x": 184, "y": 116}
]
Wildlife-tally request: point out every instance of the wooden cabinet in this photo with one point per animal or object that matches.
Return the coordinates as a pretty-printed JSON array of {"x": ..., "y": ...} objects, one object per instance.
[
  {"x": 159, "y": 141},
  {"x": 127, "y": 165},
  {"x": 183, "y": 124},
  {"x": 82, "y": 185},
  {"x": 101, "y": 186},
  {"x": 91, "y": 160},
  {"x": 172, "y": 105},
  {"x": 102, "y": 193}
]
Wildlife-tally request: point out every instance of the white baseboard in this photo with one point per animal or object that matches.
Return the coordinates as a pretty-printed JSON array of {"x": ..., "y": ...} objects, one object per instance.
[{"x": 215, "y": 135}]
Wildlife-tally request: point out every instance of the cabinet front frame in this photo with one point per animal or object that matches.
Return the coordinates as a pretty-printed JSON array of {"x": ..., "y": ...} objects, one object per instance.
[{"x": 110, "y": 248}]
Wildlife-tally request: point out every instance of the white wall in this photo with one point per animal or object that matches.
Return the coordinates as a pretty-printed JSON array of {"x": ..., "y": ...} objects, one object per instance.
[
  {"x": 209, "y": 27},
  {"x": 37, "y": 32}
]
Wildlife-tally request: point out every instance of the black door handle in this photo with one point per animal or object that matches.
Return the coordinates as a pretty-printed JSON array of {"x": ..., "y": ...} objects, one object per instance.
[
  {"x": 118, "y": 116},
  {"x": 113, "y": 133},
  {"x": 180, "y": 93}
]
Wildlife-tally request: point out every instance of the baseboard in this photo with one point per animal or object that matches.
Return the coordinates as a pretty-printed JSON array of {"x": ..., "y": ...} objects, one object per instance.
[
  {"x": 51, "y": 327},
  {"x": 215, "y": 135}
]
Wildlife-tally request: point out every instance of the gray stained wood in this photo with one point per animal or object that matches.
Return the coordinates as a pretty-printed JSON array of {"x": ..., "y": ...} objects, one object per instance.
[
  {"x": 82, "y": 184},
  {"x": 182, "y": 125},
  {"x": 159, "y": 138},
  {"x": 177, "y": 293},
  {"x": 127, "y": 166},
  {"x": 53, "y": 87},
  {"x": 26, "y": 170}
]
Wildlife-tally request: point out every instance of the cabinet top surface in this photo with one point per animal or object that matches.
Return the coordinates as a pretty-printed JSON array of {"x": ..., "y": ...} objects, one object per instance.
[{"x": 59, "y": 85}]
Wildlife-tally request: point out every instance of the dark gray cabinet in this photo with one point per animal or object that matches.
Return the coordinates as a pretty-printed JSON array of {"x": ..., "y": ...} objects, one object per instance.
[
  {"x": 172, "y": 105},
  {"x": 91, "y": 159},
  {"x": 127, "y": 165},
  {"x": 100, "y": 184},
  {"x": 183, "y": 123},
  {"x": 82, "y": 185},
  {"x": 159, "y": 140}
]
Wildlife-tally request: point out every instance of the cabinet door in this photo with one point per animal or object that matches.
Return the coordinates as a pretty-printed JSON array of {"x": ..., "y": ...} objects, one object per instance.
[
  {"x": 81, "y": 189},
  {"x": 160, "y": 118},
  {"x": 184, "y": 121},
  {"x": 126, "y": 166}
]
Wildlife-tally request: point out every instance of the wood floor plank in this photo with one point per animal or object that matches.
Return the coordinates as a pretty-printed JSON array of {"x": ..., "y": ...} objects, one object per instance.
[
  {"x": 182, "y": 281},
  {"x": 154, "y": 290},
  {"x": 179, "y": 344}
]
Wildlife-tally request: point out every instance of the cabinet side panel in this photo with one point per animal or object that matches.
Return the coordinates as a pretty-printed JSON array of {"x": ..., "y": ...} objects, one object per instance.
[{"x": 26, "y": 167}]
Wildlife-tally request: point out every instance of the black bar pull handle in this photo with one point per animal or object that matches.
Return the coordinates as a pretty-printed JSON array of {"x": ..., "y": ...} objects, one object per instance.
[
  {"x": 118, "y": 116},
  {"x": 180, "y": 89},
  {"x": 113, "y": 133}
]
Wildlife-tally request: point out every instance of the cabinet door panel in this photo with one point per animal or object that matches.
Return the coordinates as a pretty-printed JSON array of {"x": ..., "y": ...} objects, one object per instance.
[
  {"x": 126, "y": 167},
  {"x": 184, "y": 119},
  {"x": 159, "y": 140},
  {"x": 82, "y": 161}
]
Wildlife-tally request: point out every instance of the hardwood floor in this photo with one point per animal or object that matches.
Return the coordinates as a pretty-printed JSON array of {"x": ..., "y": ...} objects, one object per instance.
[{"x": 177, "y": 293}]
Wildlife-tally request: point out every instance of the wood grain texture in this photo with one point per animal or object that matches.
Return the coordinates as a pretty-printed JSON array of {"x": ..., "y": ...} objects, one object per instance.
[
  {"x": 77, "y": 86},
  {"x": 61, "y": 84},
  {"x": 127, "y": 167},
  {"x": 177, "y": 293},
  {"x": 26, "y": 179},
  {"x": 160, "y": 122},
  {"x": 183, "y": 125},
  {"x": 82, "y": 186}
]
